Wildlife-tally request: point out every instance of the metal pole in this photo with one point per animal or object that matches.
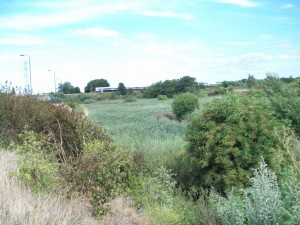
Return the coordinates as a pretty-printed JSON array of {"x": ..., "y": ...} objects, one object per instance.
[
  {"x": 54, "y": 82},
  {"x": 30, "y": 74}
]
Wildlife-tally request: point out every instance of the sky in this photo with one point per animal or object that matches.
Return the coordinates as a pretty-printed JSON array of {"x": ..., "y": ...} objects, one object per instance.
[{"x": 140, "y": 42}]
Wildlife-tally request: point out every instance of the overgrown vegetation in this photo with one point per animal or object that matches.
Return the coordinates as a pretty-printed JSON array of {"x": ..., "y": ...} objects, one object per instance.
[
  {"x": 215, "y": 175},
  {"x": 184, "y": 104},
  {"x": 284, "y": 99},
  {"x": 59, "y": 146},
  {"x": 228, "y": 139}
]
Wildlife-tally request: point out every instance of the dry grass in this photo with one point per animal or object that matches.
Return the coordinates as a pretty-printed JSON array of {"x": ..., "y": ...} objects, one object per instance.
[
  {"x": 123, "y": 213},
  {"x": 20, "y": 206}
]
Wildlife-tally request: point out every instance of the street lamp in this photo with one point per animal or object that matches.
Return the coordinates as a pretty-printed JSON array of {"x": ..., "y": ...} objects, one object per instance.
[
  {"x": 54, "y": 80},
  {"x": 29, "y": 70}
]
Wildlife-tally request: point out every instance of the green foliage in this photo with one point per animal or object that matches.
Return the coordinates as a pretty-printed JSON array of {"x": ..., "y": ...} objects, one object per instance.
[
  {"x": 144, "y": 126},
  {"x": 122, "y": 89},
  {"x": 290, "y": 189},
  {"x": 263, "y": 201},
  {"x": 38, "y": 166},
  {"x": 102, "y": 173},
  {"x": 215, "y": 91},
  {"x": 251, "y": 81},
  {"x": 260, "y": 204},
  {"x": 89, "y": 101},
  {"x": 184, "y": 104},
  {"x": 171, "y": 88},
  {"x": 229, "y": 138},
  {"x": 162, "y": 97},
  {"x": 90, "y": 87},
  {"x": 129, "y": 99},
  {"x": 136, "y": 93},
  {"x": 284, "y": 99},
  {"x": 66, "y": 129},
  {"x": 163, "y": 203},
  {"x": 68, "y": 88}
]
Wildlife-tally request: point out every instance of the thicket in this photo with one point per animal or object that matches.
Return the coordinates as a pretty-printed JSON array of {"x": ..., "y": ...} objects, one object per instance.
[
  {"x": 170, "y": 88},
  {"x": 227, "y": 141},
  {"x": 284, "y": 99},
  {"x": 66, "y": 129},
  {"x": 61, "y": 146},
  {"x": 184, "y": 104},
  {"x": 266, "y": 201}
]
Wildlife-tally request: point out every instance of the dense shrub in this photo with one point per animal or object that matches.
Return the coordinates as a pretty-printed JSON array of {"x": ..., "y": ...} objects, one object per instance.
[
  {"x": 66, "y": 129},
  {"x": 260, "y": 204},
  {"x": 102, "y": 172},
  {"x": 284, "y": 99},
  {"x": 184, "y": 104},
  {"x": 38, "y": 166},
  {"x": 229, "y": 138},
  {"x": 163, "y": 203},
  {"x": 173, "y": 87},
  {"x": 60, "y": 146}
]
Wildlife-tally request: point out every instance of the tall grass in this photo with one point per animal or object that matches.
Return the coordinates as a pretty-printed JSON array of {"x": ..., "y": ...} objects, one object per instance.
[
  {"x": 143, "y": 125},
  {"x": 19, "y": 205}
]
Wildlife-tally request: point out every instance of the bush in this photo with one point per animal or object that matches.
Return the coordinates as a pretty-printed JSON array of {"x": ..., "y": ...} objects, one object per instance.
[
  {"x": 229, "y": 138},
  {"x": 102, "y": 173},
  {"x": 162, "y": 97},
  {"x": 284, "y": 99},
  {"x": 260, "y": 204},
  {"x": 67, "y": 130},
  {"x": 183, "y": 104},
  {"x": 38, "y": 166}
]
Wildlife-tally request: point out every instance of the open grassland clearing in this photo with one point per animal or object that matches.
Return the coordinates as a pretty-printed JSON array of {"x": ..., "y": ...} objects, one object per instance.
[{"x": 143, "y": 125}]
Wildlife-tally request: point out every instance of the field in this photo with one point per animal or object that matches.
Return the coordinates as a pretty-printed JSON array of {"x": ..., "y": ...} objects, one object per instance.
[{"x": 143, "y": 125}]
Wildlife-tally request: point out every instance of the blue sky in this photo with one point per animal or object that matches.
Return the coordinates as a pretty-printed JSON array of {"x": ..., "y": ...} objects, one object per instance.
[{"x": 145, "y": 41}]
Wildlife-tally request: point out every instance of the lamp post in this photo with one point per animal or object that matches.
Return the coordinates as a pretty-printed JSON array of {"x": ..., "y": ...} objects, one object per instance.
[
  {"x": 29, "y": 62},
  {"x": 54, "y": 80}
]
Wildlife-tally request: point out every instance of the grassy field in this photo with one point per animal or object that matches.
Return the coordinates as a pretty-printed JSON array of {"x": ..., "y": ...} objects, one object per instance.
[{"x": 142, "y": 125}]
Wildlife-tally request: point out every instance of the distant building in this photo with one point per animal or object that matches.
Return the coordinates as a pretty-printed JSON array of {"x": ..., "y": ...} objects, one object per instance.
[{"x": 111, "y": 89}]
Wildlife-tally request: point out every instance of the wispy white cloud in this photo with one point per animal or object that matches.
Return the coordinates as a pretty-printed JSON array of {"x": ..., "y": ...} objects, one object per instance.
[
  {"x": 240, "y": 43},
  {"x": 62, "y": 13},
  {"x": 97, "y": 32},
  {"x": 25, "y": 39},
  {"x": 287, "y": 6},
  {"x": 65, "y": 16},
  {"x": 167, "y": 14},
  {"x": 243, "y": 3}
]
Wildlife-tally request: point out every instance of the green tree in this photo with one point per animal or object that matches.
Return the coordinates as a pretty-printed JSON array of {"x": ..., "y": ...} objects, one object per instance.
[
  {"x": 122, "y": 89},
  {"x": 77, "y": 90},
  {"x": 68, "y": 88},
  {"x": 173, "y": 87},
  {"x": 251, "y": 81},
  {"x": 90, "y": 87},
  {"x": 229, "y": 138},
  {"x": 185, "y": 83}
]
